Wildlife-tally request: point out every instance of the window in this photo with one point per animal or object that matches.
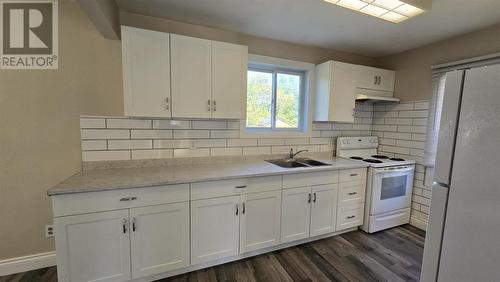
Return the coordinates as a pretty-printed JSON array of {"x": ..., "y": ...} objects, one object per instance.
[{"x": 274, "y": 99}]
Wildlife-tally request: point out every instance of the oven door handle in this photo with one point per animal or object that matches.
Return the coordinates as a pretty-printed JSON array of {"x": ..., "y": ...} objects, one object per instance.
[{"x": 393, "y": 169}]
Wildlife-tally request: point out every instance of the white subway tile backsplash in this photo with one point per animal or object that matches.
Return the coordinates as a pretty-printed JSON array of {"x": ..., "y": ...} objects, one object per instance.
[
  {"x": 322, "y": 126},
  {"x": 129, "y": 144},
  {"x": 209, "y": 124},
  {"x": 251, "y": 151},
  {"x": 412, "y": 129},
  {"x": 182, "y": 134},
  {"x": 330, "y": 134},
  {"x": 399, "y": 121},
  {"x": 87, "y": 134},
  {"x": 235, "y": 151},
  {"x": 395, "y": 135},
  {"x": 400, "y": 106},
  {"x": 190, "y": 153},
  {"x": 296, "y": 141},
  {"x": 209, "y": 143},
  {"x": 165, "y": 144},
  {"x": 422, "y": 105},
  {"x": 151, "y": 134},
  {"x": 94, "y": 156},
  {"x": 320, "y": 141},
  {"x": 152, "y": 154},
  {"x": 92, "y": 122},
  {"x": 172, "y": 124},
  {"x": 414, "y": 114},
  {"x": 270, "y": 141},
  {"x": 282, "y": 149},
  {"x": 233, "y": 124},
  {"x": 310, "y": 148},
  {"x": 224, "y": 134},
  {"x": 241, "y": 142},
  {"x": 93, "y": 145},
  {"x": 128, "y": 123},
  {"x": 420, "y": 121}
]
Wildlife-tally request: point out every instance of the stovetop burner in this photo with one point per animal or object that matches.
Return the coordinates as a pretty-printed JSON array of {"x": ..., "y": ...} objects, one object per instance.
[
  {"x": 373, "y": 161},
  {"x": 356, "y": 158},
  {"x": 380, "y": 157},
  {"x": 397, "y": 159}
]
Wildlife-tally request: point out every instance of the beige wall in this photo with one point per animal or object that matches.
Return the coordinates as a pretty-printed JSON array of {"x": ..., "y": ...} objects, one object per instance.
[
  {"x": 256, "y": 45},
  {"x": 39, "y": 127},
  {"x": 413, "y": 76}
]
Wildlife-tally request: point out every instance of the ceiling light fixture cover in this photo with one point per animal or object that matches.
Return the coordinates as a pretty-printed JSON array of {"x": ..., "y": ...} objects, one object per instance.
[{"x": 394, "y": 11}]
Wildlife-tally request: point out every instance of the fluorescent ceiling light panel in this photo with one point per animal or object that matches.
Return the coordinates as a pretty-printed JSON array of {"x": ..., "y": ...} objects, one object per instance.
[{"x": 394, "y": 11}]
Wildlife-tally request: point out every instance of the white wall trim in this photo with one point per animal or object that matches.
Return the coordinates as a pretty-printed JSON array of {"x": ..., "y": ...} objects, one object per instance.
[{"x": 27, "y": 263}]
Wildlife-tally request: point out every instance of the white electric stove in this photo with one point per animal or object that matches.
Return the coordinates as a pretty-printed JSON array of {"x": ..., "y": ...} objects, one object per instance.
[{"x": 389, "y": 183}]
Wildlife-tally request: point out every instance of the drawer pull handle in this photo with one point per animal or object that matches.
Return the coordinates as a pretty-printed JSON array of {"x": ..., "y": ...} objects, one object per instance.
[
  {"x": 351, "y": 216},
  {"x": 128, "y": 199},
  {"x": 353, "y": 193},
  {"x": 240, "y": 186},
  {"x": 354, "y": 174}
]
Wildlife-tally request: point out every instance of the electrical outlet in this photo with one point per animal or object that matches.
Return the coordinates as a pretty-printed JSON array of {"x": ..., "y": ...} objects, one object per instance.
[{"x": 49, "y": 230}]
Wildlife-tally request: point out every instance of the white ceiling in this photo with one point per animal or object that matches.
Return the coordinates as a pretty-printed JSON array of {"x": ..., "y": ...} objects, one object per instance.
[{"x": 315, "y": 22}]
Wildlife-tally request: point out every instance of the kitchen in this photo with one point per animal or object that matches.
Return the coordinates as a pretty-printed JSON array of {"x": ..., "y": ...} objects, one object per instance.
[{"x": 171, "y": 144}]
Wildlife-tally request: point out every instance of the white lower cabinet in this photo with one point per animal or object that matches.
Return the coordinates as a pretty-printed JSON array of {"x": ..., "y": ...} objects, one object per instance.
[
  {"x": 296, "y": 214},
  {"x": 323, "y": 209},
  {"x": 260, "y": 220},
  {"x": 214, "y": 228},
  {"x": 159, "y": 238},
  {"x": 93, "y": 247},
  {"x": 308, "y": 211}
]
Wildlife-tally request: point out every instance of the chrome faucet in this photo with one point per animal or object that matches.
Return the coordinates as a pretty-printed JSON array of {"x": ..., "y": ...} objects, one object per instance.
[{"x": 292, "y": 155}]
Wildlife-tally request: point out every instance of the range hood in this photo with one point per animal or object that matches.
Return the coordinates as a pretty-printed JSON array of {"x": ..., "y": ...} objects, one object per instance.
[{"x": 374, "y": 96}]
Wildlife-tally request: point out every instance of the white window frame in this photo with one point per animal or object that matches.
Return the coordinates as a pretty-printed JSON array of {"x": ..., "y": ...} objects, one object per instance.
[{"x": 277, "y": 65}]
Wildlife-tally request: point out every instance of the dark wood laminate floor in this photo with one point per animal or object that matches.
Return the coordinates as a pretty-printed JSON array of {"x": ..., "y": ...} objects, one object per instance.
[{"x": 390, "y": 255}]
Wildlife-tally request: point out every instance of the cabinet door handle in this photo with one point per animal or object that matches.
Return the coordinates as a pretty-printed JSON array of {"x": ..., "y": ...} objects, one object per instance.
[
  {"x": 309, "y": 197},
  {"x": 353, "y": 193},
  {"x": 133, "y": 225},
  {"x": 314, "y": 197},
  {"x": 243, "y": 208},
  {"x": 167, "y": 106},
  {"x": 208, "y": 108},
  {"x": 351, "y": 216},
  {"x": 128, "y": 199},
  {"x": 354, "y": 174},
  {"x": 240, "y": 186},
  {"x": 214, "y": 106},
  {"x": 237, "y": 212},
  {"x": 124, "y": 226}
]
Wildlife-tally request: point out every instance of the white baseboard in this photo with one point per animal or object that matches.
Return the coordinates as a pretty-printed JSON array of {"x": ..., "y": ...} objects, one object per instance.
[
  {"x": 27, "y": 263},
  {"x": 420, "y": 224}
]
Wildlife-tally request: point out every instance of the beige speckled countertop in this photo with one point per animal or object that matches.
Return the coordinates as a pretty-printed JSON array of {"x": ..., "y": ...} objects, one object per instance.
[{"x": 125, "y": 178}]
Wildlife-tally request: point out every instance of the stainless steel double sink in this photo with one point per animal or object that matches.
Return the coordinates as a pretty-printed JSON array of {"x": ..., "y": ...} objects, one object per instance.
[{"x": 291, "y": 163}]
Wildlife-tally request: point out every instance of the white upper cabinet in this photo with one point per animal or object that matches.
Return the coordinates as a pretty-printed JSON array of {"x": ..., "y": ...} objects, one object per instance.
[
  {"x": 191, "y": 76},
  {"x": 229, "y": 79},
  {"x": 159, "y": 238},
  {"x": 335, "y": 92},
  {"x": 169, "y": 75},
  {"x": 146, "y": 72},
  {"x": 375, "y": 78}
]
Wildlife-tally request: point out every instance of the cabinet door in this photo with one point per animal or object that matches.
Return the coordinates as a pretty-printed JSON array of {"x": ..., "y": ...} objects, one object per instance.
[
  {"x": 375, "y": 78},
  {"x": 295, "y": 214},
  {"x": 191, "y": 76},
  {"x": 229, "y": 84},
  {"x": 343, "y": 87},
  {"x": 323, "y": 209},
  {"x": 214, "y": 228},
  {"x": 146, "y": 72},
  {"x": 159, "y": 238},
  {"x": 93, "y": 247},
  {"x": 260, "y": 221}
]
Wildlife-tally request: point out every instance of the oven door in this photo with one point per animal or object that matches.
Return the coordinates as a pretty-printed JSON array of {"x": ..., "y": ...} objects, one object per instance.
[{"x": 391, "y": 188}]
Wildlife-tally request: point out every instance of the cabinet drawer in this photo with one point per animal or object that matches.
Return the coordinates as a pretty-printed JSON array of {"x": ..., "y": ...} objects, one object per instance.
[
  {"x": 350, "y": 216},
  {"x": 348, "y": 175},
  {"x": 222, "y": 188},
  {"x": 351, "y": 192},
  {"x": 81, "y": 203},
  {"x": 310, "y": 178}
]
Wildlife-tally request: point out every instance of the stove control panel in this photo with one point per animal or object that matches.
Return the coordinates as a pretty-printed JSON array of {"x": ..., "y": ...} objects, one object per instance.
[{"x": 365, "y": 142}]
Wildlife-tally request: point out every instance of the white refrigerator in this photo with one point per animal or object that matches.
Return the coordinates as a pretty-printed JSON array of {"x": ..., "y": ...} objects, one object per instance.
[{"x": 463, "y": 234}]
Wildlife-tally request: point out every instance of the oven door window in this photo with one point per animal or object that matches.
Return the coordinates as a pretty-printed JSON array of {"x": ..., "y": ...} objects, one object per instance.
[{"x": 393, "y": 187}]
